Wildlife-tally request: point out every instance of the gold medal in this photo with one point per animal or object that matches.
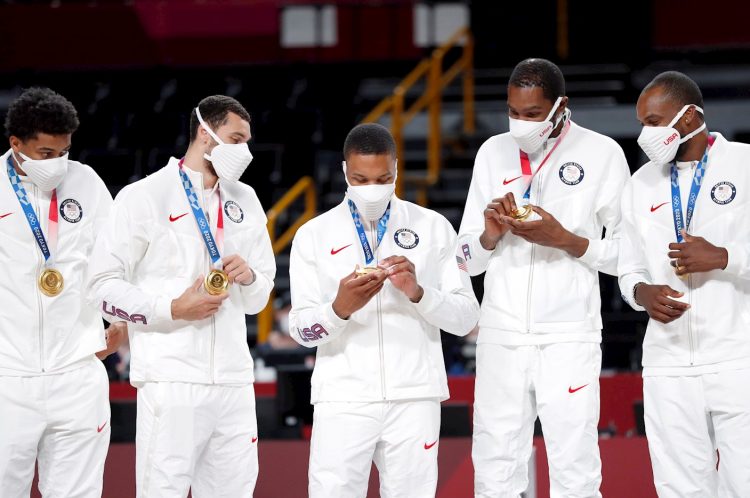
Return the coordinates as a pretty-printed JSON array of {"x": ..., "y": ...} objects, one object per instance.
[
  {"x": 366, "y": 270},
  {"x": 216, "y": 282},
  {"x": 522, "y": 213},
  {"x": 50, "y": 282}
]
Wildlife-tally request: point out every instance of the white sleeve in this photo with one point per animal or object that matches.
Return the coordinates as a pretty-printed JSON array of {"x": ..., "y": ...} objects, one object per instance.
[
  {"x": 117, "y": 250},
  {"x": 602, "y": 253},
  {"x": 452, "y": 306},
  {"x": 631, "y": 266},
  {"x": 259, "y": 256},
  {"x": 738, "y": 259},
  {"x": 312, "y": 321},
  {"x": 472, "y": 222}
]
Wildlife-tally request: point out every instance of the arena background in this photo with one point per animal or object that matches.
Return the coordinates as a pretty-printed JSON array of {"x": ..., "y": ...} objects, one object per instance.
[{"x": 309, "y": 70}]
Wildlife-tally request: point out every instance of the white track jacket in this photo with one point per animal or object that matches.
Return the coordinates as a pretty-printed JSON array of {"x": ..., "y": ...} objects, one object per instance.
[
  {"x": 535, "y": 294},
  {"x": 390, "y": 349},
  {"x": 40, "y": 334},
  {"x": 714, "y": 334},
  {"x": 151, "y": 251}
]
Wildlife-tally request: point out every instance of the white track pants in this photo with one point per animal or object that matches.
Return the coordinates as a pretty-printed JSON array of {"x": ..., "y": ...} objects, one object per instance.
[
  {"x": 401, "y": 437},
  {"x": 204, "y": 436},
  {"x": 60, "y": 420},
  {"x": 558, "y": 382},
  {"x": 687, "y": 419}
]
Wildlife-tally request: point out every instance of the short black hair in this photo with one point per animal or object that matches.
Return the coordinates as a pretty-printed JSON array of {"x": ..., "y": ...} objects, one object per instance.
[
  {"x": 214, "y": 111},
  {"x": 369, "y": 139},
  {"x": 542, "y": 73},
  {"x": 678, "y": 87},
  {"x": 40, "y": 110}
]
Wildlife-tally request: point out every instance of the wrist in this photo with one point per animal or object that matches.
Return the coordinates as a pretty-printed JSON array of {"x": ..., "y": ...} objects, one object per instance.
[
  {"x": 635, "y": 292},
  {"x": 340, "y": 312},
  {"x": 488, "y": 242},
  {"x": 174, "y": 307},
  {"x": 416, "y": 296},
  {"x": 723, "y": 258},
  {"x": 575, "y": 245}
]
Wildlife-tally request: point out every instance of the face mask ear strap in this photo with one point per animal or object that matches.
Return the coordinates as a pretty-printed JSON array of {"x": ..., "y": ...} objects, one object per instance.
[
  {"x": 554, "y": 108},
  {"x": 205, "y": 127}
]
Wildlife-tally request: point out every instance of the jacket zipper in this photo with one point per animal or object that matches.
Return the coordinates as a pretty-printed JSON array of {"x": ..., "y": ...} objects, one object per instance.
[
  {"x": 690, "y": 318},
  {"x": 381, "y": 351},
  {"x": 207, "y": 209},
  {"x": 40, "y": 258},
  {"x": 533, "y": 248}
]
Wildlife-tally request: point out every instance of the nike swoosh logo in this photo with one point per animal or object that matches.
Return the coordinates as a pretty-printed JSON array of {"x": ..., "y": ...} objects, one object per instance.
[
  {"x": 100, "y": 429},
  {"x": 175, "y": 218},
  {"x": 571, "y": 390},
  {"x": 254, "y": 439},
  {"x": 506, "y": 181},
  {"x": 4, "y": 215},
  {"x": 657, "y": 207},
  {"x": 428, "y": 446},
  {"x": 336, "y": 251}
]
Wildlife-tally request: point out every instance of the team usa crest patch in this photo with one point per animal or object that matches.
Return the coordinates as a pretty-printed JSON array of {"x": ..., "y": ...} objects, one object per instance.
[
  {"x": 723, "y": 193},
  {"x": 571, "y": 173},
  {"x": 406, "y": 238},
  {"x": 71, "y": 210},
  {"x": 234, "y": 211}
]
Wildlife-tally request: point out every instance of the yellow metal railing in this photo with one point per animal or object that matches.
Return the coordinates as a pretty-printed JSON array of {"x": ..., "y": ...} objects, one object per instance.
[
  {"x": 305, "y": 186},
  {"x": 437, "y": 79}
]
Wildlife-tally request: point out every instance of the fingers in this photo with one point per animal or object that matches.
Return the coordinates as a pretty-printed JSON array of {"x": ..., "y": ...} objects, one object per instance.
[
  {"x": 677, "y": 246},
  {"x": 405, "y": 267},
  {"x": 512, "y": 200},
  {"x": 373, "y": 291},
  {"x": 674, "y": 254},
  {"x": 668, "y": 291},
  {"x": 391, "y": 260}
]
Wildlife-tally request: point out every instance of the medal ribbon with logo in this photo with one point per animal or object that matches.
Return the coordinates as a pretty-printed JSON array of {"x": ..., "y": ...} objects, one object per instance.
[
  {"x": 50, "y": 280},
  {"x": 683, "y": 223},
  {"x": 382, "y": 226},
  {"x": 523, "y": 211},
  {"x": 217, "y": 280}
]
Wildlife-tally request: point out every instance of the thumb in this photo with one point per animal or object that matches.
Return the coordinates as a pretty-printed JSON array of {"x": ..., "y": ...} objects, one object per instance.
[
  {"x": 668, "y": 291},
  {"x": 687, "y": 236},
  {"x": 544, "y": 214},
  {"x": 197, "y": 284}
]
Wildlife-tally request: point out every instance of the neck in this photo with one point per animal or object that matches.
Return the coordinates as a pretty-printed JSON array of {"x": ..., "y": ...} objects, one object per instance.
[
  {"x": 194, "y": 160},
  {"x": 558, "y": 129},
  {"x": 17, "y": 165},
  {"x": 694, "y": 148}
]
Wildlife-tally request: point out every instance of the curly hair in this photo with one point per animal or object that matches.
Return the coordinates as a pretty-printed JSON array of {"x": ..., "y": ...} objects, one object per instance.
[{"x": 40, "y": 110}]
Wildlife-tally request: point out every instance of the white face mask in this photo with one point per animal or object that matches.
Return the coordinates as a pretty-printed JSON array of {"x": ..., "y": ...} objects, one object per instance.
[
  {"x": 660, "y": 143},
  {"x": 530, "y": 135},
  {"x": 229, "y": 160},
  {"x": 44, "y": 173},
  {"x": 371, "y": 200}
]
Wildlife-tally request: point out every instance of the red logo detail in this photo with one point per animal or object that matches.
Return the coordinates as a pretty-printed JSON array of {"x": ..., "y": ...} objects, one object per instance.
[
  {"x": 506, "y": 181},
  {"x": 100, "y": 429},
  {"x": 336, "y": 251},
  {"x": 571, "y": 390},
  {"x": 175, "y": 218},
  {"x": 428, "y": 446},
  {"x": 672, "y": 138},
  {"x": 4, "y": 215},
  {"x": 254, "y": 439},
  {"x": 657, "y": 207}
]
